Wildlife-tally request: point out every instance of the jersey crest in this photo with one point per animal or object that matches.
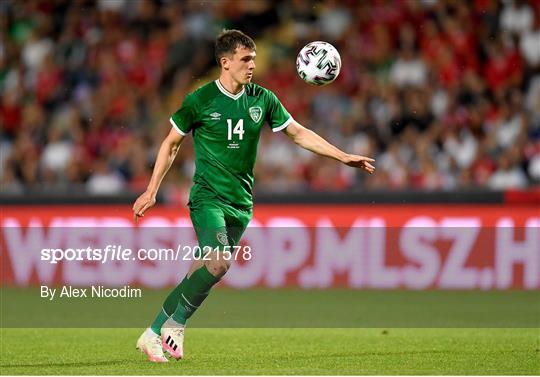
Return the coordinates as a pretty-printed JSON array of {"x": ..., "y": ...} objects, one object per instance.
[
  {"x": 255, "y": 113},
  {"x": 222, "y": 238}
]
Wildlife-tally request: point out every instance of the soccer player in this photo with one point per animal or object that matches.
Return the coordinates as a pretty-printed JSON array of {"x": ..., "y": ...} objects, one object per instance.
[{"x": 225, "y": 117}]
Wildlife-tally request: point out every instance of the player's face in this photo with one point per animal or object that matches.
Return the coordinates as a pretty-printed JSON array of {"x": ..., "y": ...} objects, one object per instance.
[{"x": 241, "y": 65}]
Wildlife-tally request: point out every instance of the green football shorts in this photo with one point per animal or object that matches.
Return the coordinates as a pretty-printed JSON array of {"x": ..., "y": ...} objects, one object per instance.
[{"x": 218, "y": 224}]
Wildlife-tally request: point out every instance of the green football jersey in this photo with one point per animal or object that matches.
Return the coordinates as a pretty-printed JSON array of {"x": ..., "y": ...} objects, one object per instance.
[{"x": 226, "y": 128}]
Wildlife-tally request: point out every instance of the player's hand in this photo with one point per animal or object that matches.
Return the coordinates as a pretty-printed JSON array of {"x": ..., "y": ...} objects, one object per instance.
[
  {"x": 143, "y": 202},
  {"x": 360, "y": 162}
]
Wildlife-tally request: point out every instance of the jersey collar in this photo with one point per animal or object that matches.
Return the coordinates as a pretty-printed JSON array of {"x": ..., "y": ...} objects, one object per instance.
[{"x": 229, "y": 94}]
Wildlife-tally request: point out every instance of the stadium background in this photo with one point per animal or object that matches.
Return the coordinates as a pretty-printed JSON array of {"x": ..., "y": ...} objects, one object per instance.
[{"x": 445, "y": 95}]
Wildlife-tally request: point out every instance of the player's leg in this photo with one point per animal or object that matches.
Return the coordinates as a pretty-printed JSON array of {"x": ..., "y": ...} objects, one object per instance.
[
  {"x": 209, "y": 217},
  {"x": 150, "y": 341},
  {"x": 171, "y": 302},
  {"x": 216, "y": 228},
  {"x": 169, "y": 306},
  {"x": 209, "y": 223}
]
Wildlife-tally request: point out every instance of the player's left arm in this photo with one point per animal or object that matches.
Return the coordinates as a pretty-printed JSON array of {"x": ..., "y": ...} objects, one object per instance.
[{"x": 309, "y": 140}]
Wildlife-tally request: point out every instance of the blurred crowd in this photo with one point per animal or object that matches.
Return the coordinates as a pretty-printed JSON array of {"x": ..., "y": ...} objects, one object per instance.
[{"x": 444, "y": 95}]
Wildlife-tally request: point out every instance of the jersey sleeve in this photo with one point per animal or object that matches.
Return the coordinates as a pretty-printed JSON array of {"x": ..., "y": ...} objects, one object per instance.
[
  {"x": 276, "y": 115},
  {"x": 182, "y": 120}
]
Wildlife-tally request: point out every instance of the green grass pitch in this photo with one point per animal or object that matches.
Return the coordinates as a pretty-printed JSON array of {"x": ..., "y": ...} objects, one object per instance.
[
  {"x": 277, "y": 351},
  {"x": 280, "y": 332}
]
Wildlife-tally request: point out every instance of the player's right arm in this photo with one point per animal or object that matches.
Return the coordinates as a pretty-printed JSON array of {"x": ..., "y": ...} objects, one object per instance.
[{"x": 167, "y": 152}]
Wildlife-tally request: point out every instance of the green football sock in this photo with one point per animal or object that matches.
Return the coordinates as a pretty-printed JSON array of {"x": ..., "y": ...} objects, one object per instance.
[
  {"x": 171, "y": 302},
  {"x": 195, "y": 291},
  {"x": 159, "y": 321},
  {"x": 169, "y": 307}
]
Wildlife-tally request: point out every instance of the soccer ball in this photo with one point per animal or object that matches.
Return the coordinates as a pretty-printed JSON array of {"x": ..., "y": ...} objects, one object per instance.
[{"x": 318, "y": 63}]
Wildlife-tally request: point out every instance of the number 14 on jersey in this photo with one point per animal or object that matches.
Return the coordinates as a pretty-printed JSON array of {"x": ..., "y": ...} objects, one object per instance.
[{"x": 238, "y": 129}]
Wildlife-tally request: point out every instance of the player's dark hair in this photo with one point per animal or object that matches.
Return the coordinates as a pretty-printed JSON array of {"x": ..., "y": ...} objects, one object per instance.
[{"x": 229, "y": 40}]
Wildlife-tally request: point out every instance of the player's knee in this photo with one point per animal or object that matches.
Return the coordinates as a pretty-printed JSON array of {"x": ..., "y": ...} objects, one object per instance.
[{"x": 218, "y": 267}]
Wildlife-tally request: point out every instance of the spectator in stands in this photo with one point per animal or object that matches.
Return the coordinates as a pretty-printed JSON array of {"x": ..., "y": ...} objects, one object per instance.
[{"x": 445, "y": 95}]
